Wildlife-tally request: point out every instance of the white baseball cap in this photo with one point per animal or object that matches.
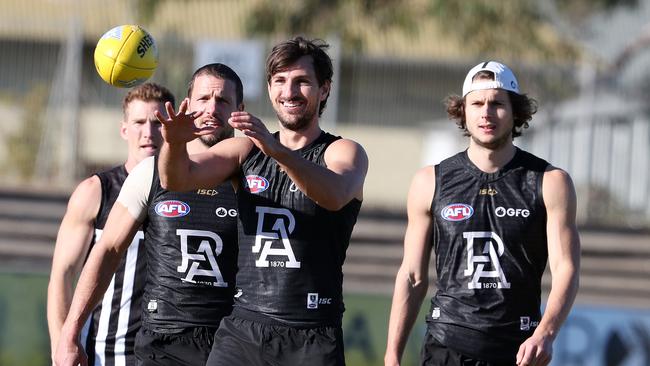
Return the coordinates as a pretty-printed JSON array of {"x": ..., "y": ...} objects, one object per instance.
[{"x": 503, "y": 78}]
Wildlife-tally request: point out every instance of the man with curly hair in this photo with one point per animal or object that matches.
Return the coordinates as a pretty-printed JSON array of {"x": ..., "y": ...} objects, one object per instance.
[{"x": 494, "y": 215}]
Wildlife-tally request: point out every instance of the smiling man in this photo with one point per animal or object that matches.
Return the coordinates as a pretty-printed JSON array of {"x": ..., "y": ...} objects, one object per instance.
[
  {"x": 299, "y": 192},
  {"x": 494, "y": 215}
]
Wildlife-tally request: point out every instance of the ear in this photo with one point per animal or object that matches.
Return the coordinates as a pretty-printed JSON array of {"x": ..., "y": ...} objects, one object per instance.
[
  {"x": 325, "y": 90},
  {"x": 124, "y": 131}
]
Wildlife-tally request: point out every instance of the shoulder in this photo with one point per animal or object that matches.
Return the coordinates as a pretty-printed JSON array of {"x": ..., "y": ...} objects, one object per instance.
[
  {"x": 421, "y": 192},
  {"x": 345, "y": 147},
  {"x": 557, "y": 187},
  {"x": 86, "y": 198},
  {"x": 424, "y": 178}
]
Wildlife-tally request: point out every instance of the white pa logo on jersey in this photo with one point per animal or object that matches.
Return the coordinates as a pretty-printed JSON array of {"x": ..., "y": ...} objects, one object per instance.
[
  {"x": 476, "y": 264},
  {"x": 275, "y": 242},
  {"x": 204, "y": 257}
]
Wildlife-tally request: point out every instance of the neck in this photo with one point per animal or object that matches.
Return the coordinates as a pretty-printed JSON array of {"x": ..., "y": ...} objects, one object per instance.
[
  {"x": 130, "y": 163},
  {"x": 490, "y": 160},
  {"x": 295, "y": 140}
]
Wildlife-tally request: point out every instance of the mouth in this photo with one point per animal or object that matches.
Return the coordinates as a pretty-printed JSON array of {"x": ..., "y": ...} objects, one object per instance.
[
  {"x": 211, "y": 123},
  {"x": 149, "y": 147},
  {"x": 487, "y": 127},
  {"x": 293, "y": 105}
]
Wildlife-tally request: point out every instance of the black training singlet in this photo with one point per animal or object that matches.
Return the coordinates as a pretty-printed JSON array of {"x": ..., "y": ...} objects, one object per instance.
[
  {"x": 191, "y": 243},
  {"x": 291, "y": 250},
  {"x": 489, "y": 236},
  {"x": 109, "y": 334}
]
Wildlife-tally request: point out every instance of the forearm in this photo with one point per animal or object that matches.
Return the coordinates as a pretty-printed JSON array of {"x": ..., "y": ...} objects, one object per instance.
[
  {"x": 59, "y": 295},
  {"x": 564, "y": 288},
  {"x": 174, "y": 167},
  {"x": 328, "y": 189},
  {"x": 93, "y": 282},
  {"x": 407, "y": 299}
]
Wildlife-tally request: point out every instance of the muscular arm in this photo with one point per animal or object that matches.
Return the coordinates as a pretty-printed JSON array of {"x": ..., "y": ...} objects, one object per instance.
[
  {"x": 121, "y": 226},
  {"x": 564, "y": 263},
  {"x": 72, "y": 243},
  {"x": 181, "y": 172},
  {"x": 412, "y": 282},
  {"x": 333, "y": 186}
]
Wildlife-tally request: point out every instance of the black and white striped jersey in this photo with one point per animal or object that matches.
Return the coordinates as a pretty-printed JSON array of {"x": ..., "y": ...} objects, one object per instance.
[{"x": 109, "y": 333}]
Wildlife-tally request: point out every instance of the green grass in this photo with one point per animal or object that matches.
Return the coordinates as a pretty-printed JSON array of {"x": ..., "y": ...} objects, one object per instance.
[
  {"x": 24, "y": 338},
  {"x": 23, "y": 322}
]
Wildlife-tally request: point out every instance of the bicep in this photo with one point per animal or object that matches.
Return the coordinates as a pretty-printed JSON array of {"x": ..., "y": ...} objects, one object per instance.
[
  {"x": 77, "y": 227},
  {"x": 349, "y": 160},
  {"x": 560, "y": 201},
  {"x": 417, "y": 240}
]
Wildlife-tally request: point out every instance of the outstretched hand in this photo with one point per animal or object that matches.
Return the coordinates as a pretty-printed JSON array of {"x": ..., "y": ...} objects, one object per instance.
[
  {"x": 179, "y": 128},
  {"x": 253, "y": 128}
]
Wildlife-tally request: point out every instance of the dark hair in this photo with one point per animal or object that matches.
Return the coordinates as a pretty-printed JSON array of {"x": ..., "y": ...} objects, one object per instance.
[
  {"x": 523, "y": 107},
  {"x": 148, "y": 92},
  {"x": 220, "y": 71},
  {"x": 288, "y": 52}
]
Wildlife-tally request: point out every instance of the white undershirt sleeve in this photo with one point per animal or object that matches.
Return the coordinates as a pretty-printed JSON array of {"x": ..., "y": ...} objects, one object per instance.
[{"x": 134, "y": 194}]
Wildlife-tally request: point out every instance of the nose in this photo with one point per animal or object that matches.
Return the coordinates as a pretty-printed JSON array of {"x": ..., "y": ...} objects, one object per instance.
[
  {"x": 290, "y": 89},
  {"x": 151, "y": 129}
]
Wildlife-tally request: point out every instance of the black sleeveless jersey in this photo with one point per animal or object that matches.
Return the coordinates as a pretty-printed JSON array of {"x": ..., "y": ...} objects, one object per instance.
[
  {"x": 291, "y": 250},
  {"x": 191, "y": 244},
  {"x": 109, "y": 334},
  {"x": 489, "y": 237}
]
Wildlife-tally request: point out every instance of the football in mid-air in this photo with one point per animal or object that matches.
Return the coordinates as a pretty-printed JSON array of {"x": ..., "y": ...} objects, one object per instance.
[{"x": 126, "y": 56}]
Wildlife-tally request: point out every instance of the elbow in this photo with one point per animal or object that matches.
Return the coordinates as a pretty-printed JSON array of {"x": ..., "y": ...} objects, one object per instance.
[{"x": 335, "y": 201}]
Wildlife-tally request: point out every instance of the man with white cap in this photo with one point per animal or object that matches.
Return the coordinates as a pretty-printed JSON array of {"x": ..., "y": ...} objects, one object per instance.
[{"x": 494, "y": 215}]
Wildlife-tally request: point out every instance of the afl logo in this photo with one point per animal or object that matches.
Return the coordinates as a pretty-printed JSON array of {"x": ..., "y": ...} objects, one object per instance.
[
  {"x": 256, "y": 184},
  {"x": 457, "y": 212},
  {"x": 172, "y": 208}
]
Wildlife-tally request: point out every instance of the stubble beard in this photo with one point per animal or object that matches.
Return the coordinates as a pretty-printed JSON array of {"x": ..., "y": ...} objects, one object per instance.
[
  {"x": 211, "y": 140},
  {"x": 299, "y": 123},
  {"x": 495, "y": 144}
]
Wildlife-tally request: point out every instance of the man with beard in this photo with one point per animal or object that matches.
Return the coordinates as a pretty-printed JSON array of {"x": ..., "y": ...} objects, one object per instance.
[
  {"x": 190, "y": 238},
  {"x": 299, "y": 192},
  {"x": 494, "y": 215}
]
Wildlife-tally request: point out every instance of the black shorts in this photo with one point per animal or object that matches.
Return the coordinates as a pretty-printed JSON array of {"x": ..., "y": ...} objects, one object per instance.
[
  {"x": 247, "y": 343},
  {"x": 190, "y": 347},
  {"x": 436, "y": 354}
]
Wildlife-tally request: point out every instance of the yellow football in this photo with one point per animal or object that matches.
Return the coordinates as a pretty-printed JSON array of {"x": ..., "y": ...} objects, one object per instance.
[{"x": 126, "y": 56}]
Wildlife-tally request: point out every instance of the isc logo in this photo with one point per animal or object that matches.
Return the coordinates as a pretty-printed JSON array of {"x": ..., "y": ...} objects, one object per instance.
[
  {"x": 457, "y": 212},
  {"x": 256, "y": 184},
  {"x": 172, "y": 208}
]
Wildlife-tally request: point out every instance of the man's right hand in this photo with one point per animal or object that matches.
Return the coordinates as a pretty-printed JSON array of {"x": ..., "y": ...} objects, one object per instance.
[
  {"x": 70, "y": 353},
  {"x": 178, "y": 127}
]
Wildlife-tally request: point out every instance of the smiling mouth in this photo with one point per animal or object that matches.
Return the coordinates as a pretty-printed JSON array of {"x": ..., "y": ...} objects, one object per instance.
[{"x": 292, "y": 104}]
